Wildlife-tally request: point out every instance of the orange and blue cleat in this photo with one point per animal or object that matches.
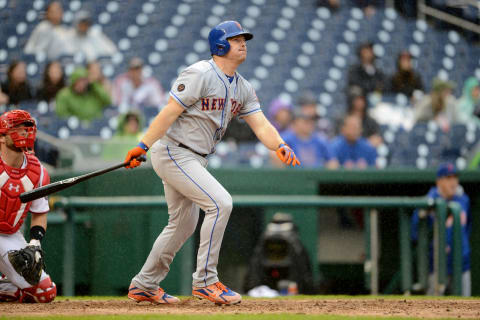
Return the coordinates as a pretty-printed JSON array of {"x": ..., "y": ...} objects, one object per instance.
[
  {"x": 217, "y": 293},
  {"x": 156, "y": 297}
]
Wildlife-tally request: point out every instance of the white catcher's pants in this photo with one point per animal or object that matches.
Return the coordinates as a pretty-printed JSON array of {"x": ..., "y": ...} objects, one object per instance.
[{"x": 188, "y": 187}]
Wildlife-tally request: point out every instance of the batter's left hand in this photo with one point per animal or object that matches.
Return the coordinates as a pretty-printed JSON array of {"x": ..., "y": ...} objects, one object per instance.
[{"x": 286, "y": 154}]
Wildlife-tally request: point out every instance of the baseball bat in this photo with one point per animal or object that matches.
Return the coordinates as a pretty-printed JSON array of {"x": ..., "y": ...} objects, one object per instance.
[{"x": 66, "y": 183}]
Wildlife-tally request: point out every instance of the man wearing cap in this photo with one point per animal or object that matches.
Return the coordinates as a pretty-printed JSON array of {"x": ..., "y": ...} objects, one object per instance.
[
  {"x": 131, "y": 90},
  {"x": 91, "y": 42},
  {"x": 350, "y": 149},
  {"x": 305, "y": 141},
  {"x": 48, "y": 36},
  {"x": 448, "y": 188}
]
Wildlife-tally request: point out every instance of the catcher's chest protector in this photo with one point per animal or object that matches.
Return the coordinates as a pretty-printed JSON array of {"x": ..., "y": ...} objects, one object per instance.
[{"x": 13, "y": 182}]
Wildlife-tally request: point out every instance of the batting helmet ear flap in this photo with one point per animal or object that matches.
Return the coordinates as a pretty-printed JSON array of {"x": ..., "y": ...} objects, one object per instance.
[{"x": 222, "y": 49}]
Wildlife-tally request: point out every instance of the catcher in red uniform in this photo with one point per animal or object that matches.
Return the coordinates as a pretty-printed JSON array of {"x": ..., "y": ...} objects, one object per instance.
[{"x": 21, "y": 264}]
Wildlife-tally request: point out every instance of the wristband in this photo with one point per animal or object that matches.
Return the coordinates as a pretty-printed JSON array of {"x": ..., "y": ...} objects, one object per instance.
[
  {"x": 143, "y": 146},
  {"x": 37, "y": 233}
]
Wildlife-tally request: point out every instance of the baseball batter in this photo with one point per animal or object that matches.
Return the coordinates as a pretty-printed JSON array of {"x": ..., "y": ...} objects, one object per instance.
[
  {"x": 20, "y": 171},
  {"x": 203, "y": 100}
]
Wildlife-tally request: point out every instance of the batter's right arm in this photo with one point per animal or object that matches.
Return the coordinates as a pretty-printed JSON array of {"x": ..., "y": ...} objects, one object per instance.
[{"x": 156, "y": 130}]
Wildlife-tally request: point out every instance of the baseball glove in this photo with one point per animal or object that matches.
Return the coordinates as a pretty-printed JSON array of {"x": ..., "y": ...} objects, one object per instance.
[{"x": 28, "y": 262}]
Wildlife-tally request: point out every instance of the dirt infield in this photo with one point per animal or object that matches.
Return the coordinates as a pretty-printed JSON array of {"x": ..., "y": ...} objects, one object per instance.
[{"x": 359, "y": 307}]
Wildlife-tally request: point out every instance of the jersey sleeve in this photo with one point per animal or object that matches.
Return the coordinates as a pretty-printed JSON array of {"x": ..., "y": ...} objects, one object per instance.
[
  {"x": 41, "y": 205},
  {"x": 252, "y": 104},
  {"x": 188, "y": 87}
]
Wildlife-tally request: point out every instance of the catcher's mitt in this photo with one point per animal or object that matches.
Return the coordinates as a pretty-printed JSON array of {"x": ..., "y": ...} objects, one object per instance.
[{"x": 28, "y": 262}]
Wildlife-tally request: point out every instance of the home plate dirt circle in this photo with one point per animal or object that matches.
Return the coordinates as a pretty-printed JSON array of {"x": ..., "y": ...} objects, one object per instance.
[{"x": 423, "y": 308}]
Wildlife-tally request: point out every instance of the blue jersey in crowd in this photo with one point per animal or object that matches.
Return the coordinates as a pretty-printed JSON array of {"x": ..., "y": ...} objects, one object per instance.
[
  {"x": 464, "y": 201},
  {"x": 359, "y": 154},
  {"x": 313, "y": 152}
]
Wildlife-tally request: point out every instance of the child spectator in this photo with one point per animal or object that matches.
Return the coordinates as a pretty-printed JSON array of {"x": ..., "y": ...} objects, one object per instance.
[
  {"x": 53, "y": 81},
  {"x": 129, "y": 130}
]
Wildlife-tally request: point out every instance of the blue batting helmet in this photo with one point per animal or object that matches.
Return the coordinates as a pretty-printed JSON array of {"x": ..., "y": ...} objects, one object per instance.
[{"x": 219, "y": 35}]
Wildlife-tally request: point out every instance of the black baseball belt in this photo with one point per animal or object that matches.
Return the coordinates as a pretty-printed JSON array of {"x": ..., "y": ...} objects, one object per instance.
[{"x": 186, "y": 147}]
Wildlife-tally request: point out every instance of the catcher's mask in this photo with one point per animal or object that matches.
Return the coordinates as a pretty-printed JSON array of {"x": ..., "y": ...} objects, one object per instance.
[{"x": 21, "y": 127}]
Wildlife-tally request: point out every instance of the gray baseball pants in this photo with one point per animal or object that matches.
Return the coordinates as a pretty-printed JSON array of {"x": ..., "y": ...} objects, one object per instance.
[{"x": 188, "y": 186}]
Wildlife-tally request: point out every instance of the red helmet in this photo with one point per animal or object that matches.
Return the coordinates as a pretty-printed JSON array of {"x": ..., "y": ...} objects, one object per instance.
[{"x": 9, "y": 123}]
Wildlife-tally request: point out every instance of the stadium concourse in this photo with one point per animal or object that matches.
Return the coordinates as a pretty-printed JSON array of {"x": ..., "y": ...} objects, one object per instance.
[{"x": 298, "y": 46}]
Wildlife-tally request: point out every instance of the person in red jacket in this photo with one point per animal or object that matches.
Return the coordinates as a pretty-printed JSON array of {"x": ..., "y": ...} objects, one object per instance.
[{"x": 20, "y": 171}]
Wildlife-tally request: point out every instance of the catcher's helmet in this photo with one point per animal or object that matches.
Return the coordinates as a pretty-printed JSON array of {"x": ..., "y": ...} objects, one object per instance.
[
  {"x": 219, "y": 35},
  {"x": 10, "y": 121}
]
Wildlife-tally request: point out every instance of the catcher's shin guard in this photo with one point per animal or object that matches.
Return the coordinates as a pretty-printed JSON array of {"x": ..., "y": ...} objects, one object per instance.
[{"x": 45, "y": 291}]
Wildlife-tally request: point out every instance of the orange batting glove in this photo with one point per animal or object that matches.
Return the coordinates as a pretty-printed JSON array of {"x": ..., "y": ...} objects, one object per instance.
[
  {"x": 286, "y": 154},
  {"x": 132, "y": 155}
]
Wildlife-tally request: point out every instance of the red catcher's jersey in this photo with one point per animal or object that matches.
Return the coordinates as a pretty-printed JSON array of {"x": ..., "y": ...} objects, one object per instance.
[{"x": 13, "y": 182}]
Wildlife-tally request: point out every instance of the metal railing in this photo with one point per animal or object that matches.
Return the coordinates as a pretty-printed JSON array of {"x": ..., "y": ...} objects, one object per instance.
[
  {"x": 424, "y": 10},
  {"x": 70, "y": 205}
]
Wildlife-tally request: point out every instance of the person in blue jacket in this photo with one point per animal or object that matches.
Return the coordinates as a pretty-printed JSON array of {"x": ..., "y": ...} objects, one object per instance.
[
  {"x": 448, "y": 188},
  {"x": 350, "y": 149}
]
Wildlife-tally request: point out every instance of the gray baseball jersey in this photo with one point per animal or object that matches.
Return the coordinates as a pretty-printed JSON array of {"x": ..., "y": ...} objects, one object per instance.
[{"x": 210, "y": 102}]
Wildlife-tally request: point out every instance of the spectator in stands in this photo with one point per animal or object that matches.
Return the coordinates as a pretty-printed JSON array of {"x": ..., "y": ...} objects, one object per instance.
[
  {"x": 131, "y": 90},
  {"x": 83, "y": 99},
  {"x": 53, "y": 81},
  {"x": 334, "y": 5},
  {"x": 17, "y": 87},
  {"x": 129, "y": 130},
  {"x": 448, "y": 188},
  {"x": 357, "y": 106},
  {"x": 369, "y": 6},
  {"x": 405, "y": 80},
  {"x": 49, "y": 35},
  {"x": 280, "y": 114},
  {"x": 3, "y": 98},
  {"x": 95, "y": 74},
  {"x": 307, "y": 143},
  {"x": 130, "y": 125},
  {"x": 91, "y": 42},
  {"x": 366, "y": 74},
  {"x": 307, "y": 103},
  {"x": 469, "y": 103},
  {"x": 439, "y": 105},
  {"x": 350, "y": 149}
]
